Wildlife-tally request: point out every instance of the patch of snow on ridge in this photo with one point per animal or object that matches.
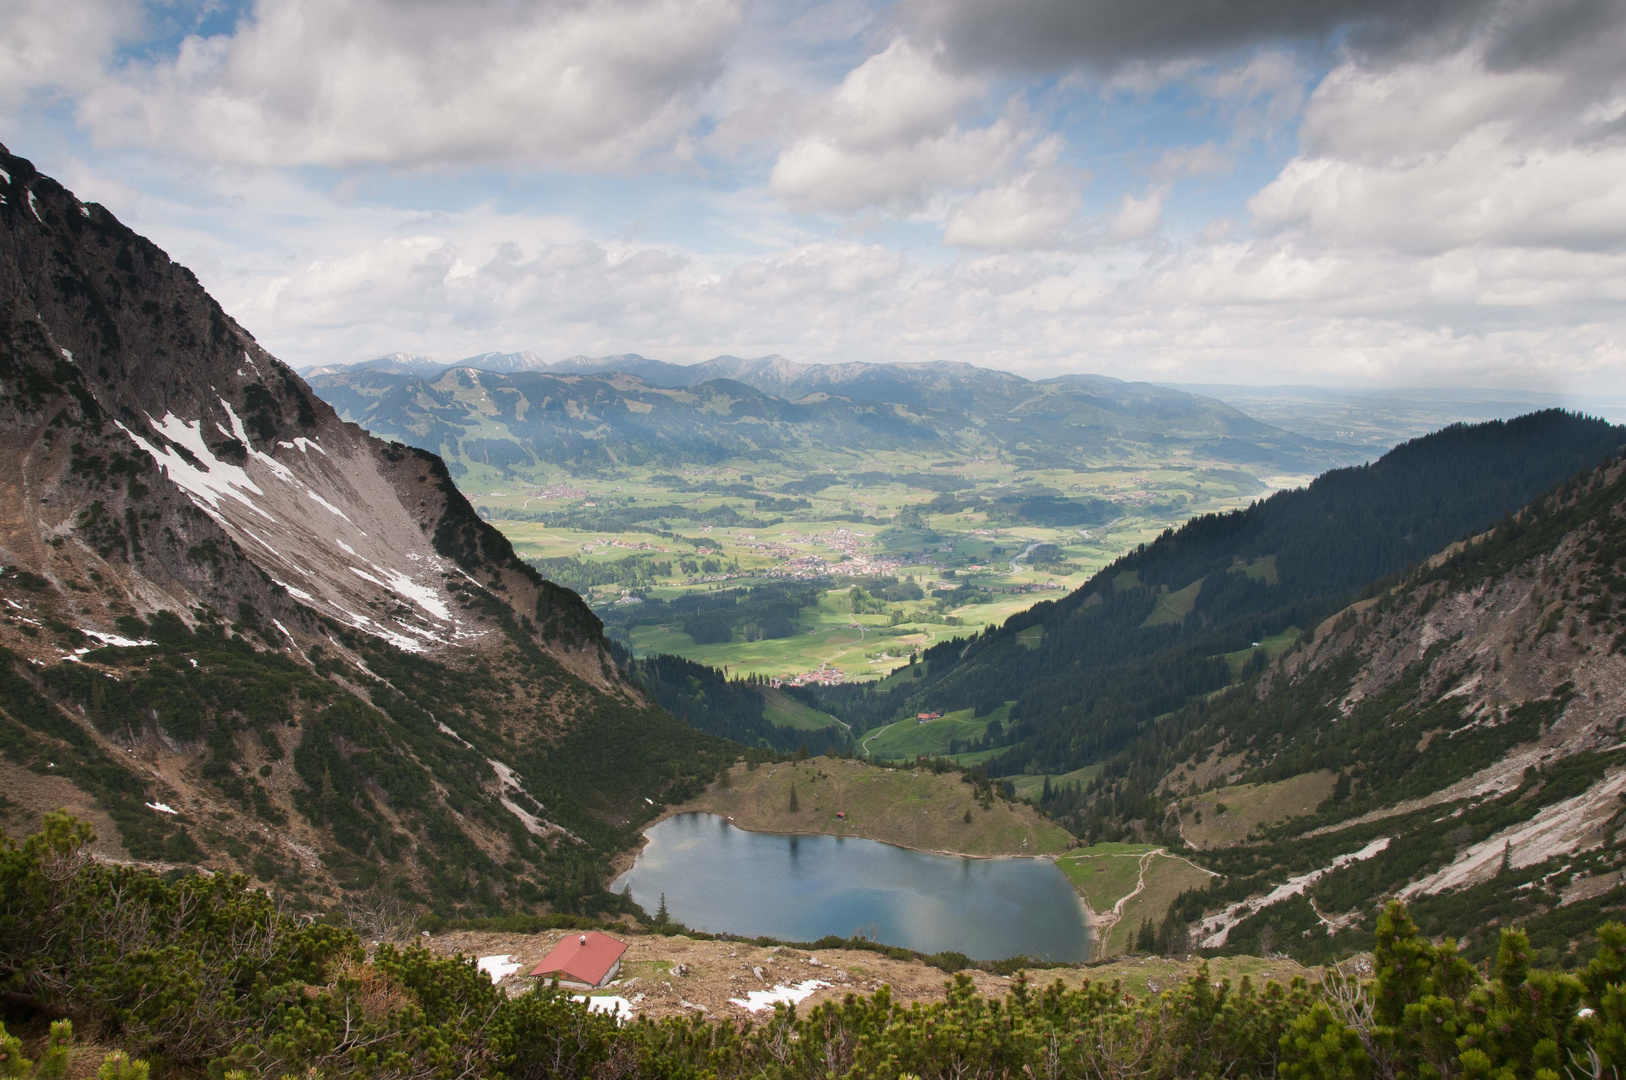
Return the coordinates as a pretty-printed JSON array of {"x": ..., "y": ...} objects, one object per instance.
[
  {"x": 162, "y": 808},
  {"x": 1218, "y": 927},
  {"x": 116, "y": 641},
  {"x": 297, "y": 594},
  {"x": 499, "y": 967},
  {"x": 215, "y": 479},
  {"x": 329, "y": 506},
  {"x": 403, "y": 586},
  {"x": 794, "y": 994},
  {"x": 35, "y": 208},
  {"x": 240, "y": 433}
]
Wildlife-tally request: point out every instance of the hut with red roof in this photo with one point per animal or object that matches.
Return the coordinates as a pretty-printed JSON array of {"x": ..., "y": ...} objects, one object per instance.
[{"x": 583, "y": 961}]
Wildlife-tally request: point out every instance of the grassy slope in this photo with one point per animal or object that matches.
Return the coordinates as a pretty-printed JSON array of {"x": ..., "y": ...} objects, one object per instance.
[
  {"x": 911, "y": 808},
  {"x": 1104, "y": 874},
  {"x": 782, "y": 710},
  {"x": 908, "y": 739},
  {"x": 1250, "y": 805}
]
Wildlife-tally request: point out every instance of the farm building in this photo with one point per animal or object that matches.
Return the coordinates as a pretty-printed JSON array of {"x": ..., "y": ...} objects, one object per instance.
[{"x": 582, "y": 960}]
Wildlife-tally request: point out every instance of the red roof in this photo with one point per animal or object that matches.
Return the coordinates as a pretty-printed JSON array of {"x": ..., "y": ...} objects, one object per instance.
[{"x": 584, "y": 958}]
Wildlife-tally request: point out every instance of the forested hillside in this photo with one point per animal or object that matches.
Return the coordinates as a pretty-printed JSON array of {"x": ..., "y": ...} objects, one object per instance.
[{"x": 1195, "y": 611}]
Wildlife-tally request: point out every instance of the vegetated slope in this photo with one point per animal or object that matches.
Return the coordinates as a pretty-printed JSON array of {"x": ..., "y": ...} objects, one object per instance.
[
  {"x": 739, "y": 709},
  {"x": 1120, "y": 651},
  {"x": 260, "y": 638},
  {"x": 926, "y": 809},
  {"x": 588, "y": 420},
  {"x": 1473, "y": 717}
]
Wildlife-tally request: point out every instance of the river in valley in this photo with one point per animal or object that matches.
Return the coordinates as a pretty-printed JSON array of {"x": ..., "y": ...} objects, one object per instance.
[{"x": 801, "y": 888}]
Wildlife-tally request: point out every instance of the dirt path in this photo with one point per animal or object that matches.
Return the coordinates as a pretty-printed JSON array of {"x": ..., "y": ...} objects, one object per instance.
[{"x": 1106, "y": 921}]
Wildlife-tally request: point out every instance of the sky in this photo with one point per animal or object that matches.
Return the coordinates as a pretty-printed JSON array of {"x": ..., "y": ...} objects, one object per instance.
[{"x": 1345, "y": 192}]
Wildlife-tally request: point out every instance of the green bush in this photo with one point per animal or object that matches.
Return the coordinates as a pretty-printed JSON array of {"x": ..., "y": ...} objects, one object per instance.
[{"x": 205, "y": 978}]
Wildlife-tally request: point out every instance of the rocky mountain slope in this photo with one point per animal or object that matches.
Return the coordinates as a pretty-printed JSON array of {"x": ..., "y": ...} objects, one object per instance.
[
  {"x": 1472, "y": 717},
  {"x": 249, "y": 634}
]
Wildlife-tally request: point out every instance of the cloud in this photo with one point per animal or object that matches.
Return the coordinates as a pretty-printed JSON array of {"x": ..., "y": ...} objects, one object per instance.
[
  {"x": 1110, "y": 35},
  {"x": 889, "y": 135},
  {"x": 562, "y": 83},
  {"x": 1033, "y": 210},
  {"x": 59, "y": 44},
  {"x": 1440, "y": 153}
]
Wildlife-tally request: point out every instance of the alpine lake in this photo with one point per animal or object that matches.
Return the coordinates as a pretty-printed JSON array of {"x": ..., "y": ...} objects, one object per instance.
[{"x": 722, "y": 879}]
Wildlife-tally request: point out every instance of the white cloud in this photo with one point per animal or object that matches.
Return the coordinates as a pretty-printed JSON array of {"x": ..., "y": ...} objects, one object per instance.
[
  {"x": 1138, "y": 218},
  {"x": 889, "y": 135},
  {"x": 59, "y": 44},
  {"x": 1446, "y": 152},
  {"x": 594, "y": 83}
]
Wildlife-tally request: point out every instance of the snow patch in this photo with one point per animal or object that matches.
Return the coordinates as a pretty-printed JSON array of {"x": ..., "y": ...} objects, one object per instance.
[
  {"x": 162, "y": 808},
  {"x": 241, "y": 435},
  {"x": 329, "y": 506},
  {"x": 1218, "y": 927},
  {"x": 346, "y": 547},
  {"x": 793, "y": 994},
  {"x": 116, "y": 641},
  {"x": 284, "y": 630},
  {"x": 211, "y": 479},
  {"x": 34, "y": 208},
  {"x": 298, "y": 594},
  {"x": 403, "y": 586},
  {"x": 617, "y": 1006},
  {"x": 499, "y": 967},
  {"x": 66, "y": 355},
  {"x": 5, "y": 176}
]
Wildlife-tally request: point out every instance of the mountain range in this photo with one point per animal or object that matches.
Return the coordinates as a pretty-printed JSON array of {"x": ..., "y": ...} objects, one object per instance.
[
  {"x": 616, "y": 411},
  {"x": 240, "y": 633}
]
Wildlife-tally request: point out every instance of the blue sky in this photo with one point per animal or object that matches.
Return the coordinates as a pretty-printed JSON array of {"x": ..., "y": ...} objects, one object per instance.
[{"x": 1365, "y": 192}]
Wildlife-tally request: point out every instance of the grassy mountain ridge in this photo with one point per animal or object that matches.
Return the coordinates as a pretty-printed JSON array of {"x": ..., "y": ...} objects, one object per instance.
[{"x": 257, "y": 638}]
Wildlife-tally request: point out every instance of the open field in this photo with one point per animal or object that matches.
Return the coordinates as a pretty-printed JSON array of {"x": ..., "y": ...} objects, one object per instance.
[
  {"x": 669, "y": 976},
  {"x": 743, "y": 524},
  {"x": 1226, "y": 816},
  {"x": 1273, "y": 646},
  {"x": 782, "y": 710},
  {"x": 911, "y": 738},
  {"x": 912, "y": 808}
]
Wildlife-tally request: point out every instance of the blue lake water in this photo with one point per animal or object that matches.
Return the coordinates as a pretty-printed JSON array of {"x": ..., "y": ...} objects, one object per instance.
[{"x": 801, "y": 888}]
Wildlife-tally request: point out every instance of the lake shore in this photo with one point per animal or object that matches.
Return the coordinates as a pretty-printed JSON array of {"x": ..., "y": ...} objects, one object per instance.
[{"x": 909, "y": 808}]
